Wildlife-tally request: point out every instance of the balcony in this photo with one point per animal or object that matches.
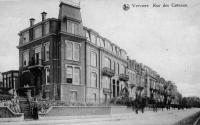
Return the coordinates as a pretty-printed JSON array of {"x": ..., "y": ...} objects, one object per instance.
[
  {"x": 35, "y": 63},
  {"x": 123, "y": 77},
  {"x": 108, "y": 72}
]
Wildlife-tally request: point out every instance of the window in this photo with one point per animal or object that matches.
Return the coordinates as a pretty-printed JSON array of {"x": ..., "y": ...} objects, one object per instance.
[
  {"x": 69, "y": 49},
  {"x": 37, "y": 55},
  {"x": 107, "y": 62},
  {"x": 46, "y": 28},
  {"x": 47, "y": 76},
  {"x": 122, "y": 70},
  {"x": 102, "y": 43},
  {"x": 25, "y": 58},
  {"x": 25, "y": 37},
  {"x": 46, "y": 54},
  {"x": 93, "y": 59},
  {"x": 73, "y": 95},
  {"x": 37, "y": 32},
  {"x": 93, "y": 80},
  {"x": 93, "y": 39},
  {"x": 76, "y": 76},
  {"x": 114, "y": 67},
  {"x": 108, "y": 45},
  {"x": 76, "y": 52},
  {"x": 5, "y": 83},
  {"x": 118, "y": 67},
  {"x": 69, "y": 74},
  {"x": 72, "y": 27},
  {"x": 87, "y": 35},
  {"x": 73, "y": 75},
  {"x": 98, "y": 41},
  {"x": 95, "y": 97},
  {"x": 106, "y": 81},
  {"x": 72, "y": 51},
  {"x": 8, "y": 82},
  {"x": 123, "y": 54},
  {"x": 113, "y": 48}
]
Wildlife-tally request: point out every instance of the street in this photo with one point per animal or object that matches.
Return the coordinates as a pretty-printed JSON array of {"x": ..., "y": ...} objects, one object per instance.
[{"x": 148, "y": 118}]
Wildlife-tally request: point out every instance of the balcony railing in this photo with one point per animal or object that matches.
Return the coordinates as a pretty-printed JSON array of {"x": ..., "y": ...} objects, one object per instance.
[
  {"x": 123, "y": 77},
  {"x": 35, "y": 63},
  {"x": 108, "y": 72}
]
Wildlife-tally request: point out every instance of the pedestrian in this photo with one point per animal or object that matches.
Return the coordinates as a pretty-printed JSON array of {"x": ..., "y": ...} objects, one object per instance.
[{"x": 35, "y": 111}]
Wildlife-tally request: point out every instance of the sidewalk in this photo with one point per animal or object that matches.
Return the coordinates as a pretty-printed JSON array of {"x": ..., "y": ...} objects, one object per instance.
[{"x": 148, "y": 118}]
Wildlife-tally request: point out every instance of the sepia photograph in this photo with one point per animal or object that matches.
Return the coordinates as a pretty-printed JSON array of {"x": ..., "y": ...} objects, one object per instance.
[{"x": 100, "y": 62}]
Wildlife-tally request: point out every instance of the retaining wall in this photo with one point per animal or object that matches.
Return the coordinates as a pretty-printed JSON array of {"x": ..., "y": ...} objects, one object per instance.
[
  {"x": 62, "y": 111},
  {"x": 7, "y": 115}
]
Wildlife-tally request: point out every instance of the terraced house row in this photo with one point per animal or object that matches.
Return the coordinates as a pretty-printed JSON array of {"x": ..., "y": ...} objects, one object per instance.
[{"x": 61, "y": 59}]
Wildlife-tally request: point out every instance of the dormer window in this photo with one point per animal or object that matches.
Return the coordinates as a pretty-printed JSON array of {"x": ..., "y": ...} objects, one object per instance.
[
  {"x": 93, "y": 39},
  {"x": 72, "y": 27},
  {"x": 102, "y": 43},
  {"x": 87, "y": 35}
]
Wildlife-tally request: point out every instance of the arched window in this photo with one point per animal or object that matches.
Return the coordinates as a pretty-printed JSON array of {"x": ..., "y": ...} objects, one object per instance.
[
  {"x": 107, "y": 62},
  {"x": 93, "y": 59}
]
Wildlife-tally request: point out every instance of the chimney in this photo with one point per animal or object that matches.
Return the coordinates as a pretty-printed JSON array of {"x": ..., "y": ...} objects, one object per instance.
[
  {"x": 44, "y": 14},
  {"x": 32, "y": 20}
]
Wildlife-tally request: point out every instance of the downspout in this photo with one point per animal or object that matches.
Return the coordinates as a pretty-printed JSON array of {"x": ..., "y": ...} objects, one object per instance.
[
  {"x": 85, "y": 71},
  {"x": 99, "y": 73}
]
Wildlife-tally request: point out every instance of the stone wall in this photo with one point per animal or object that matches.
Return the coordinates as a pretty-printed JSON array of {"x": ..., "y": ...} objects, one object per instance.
[
  {"x": 77, "y": 111},
  {"x": 7, "y": 115},
  {"x": 66, "y": 111}
]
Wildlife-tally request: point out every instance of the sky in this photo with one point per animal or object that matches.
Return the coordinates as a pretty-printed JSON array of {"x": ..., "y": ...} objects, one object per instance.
[{"x": 165, "y": 39}]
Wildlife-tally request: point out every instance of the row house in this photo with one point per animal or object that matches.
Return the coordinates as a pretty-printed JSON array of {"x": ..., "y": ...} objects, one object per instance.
[
  {"x": 105, "y": 68},
  {"x": 137, "y": 79}
]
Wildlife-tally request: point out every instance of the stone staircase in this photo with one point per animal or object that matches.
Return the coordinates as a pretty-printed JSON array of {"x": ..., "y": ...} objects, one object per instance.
[{"x": 25, "y": 107}]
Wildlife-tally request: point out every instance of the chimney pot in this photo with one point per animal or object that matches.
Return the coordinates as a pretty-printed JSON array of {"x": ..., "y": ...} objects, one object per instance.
[
  {"x": 44, "y": 14},
  {"x": 32, "y": 20}
]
